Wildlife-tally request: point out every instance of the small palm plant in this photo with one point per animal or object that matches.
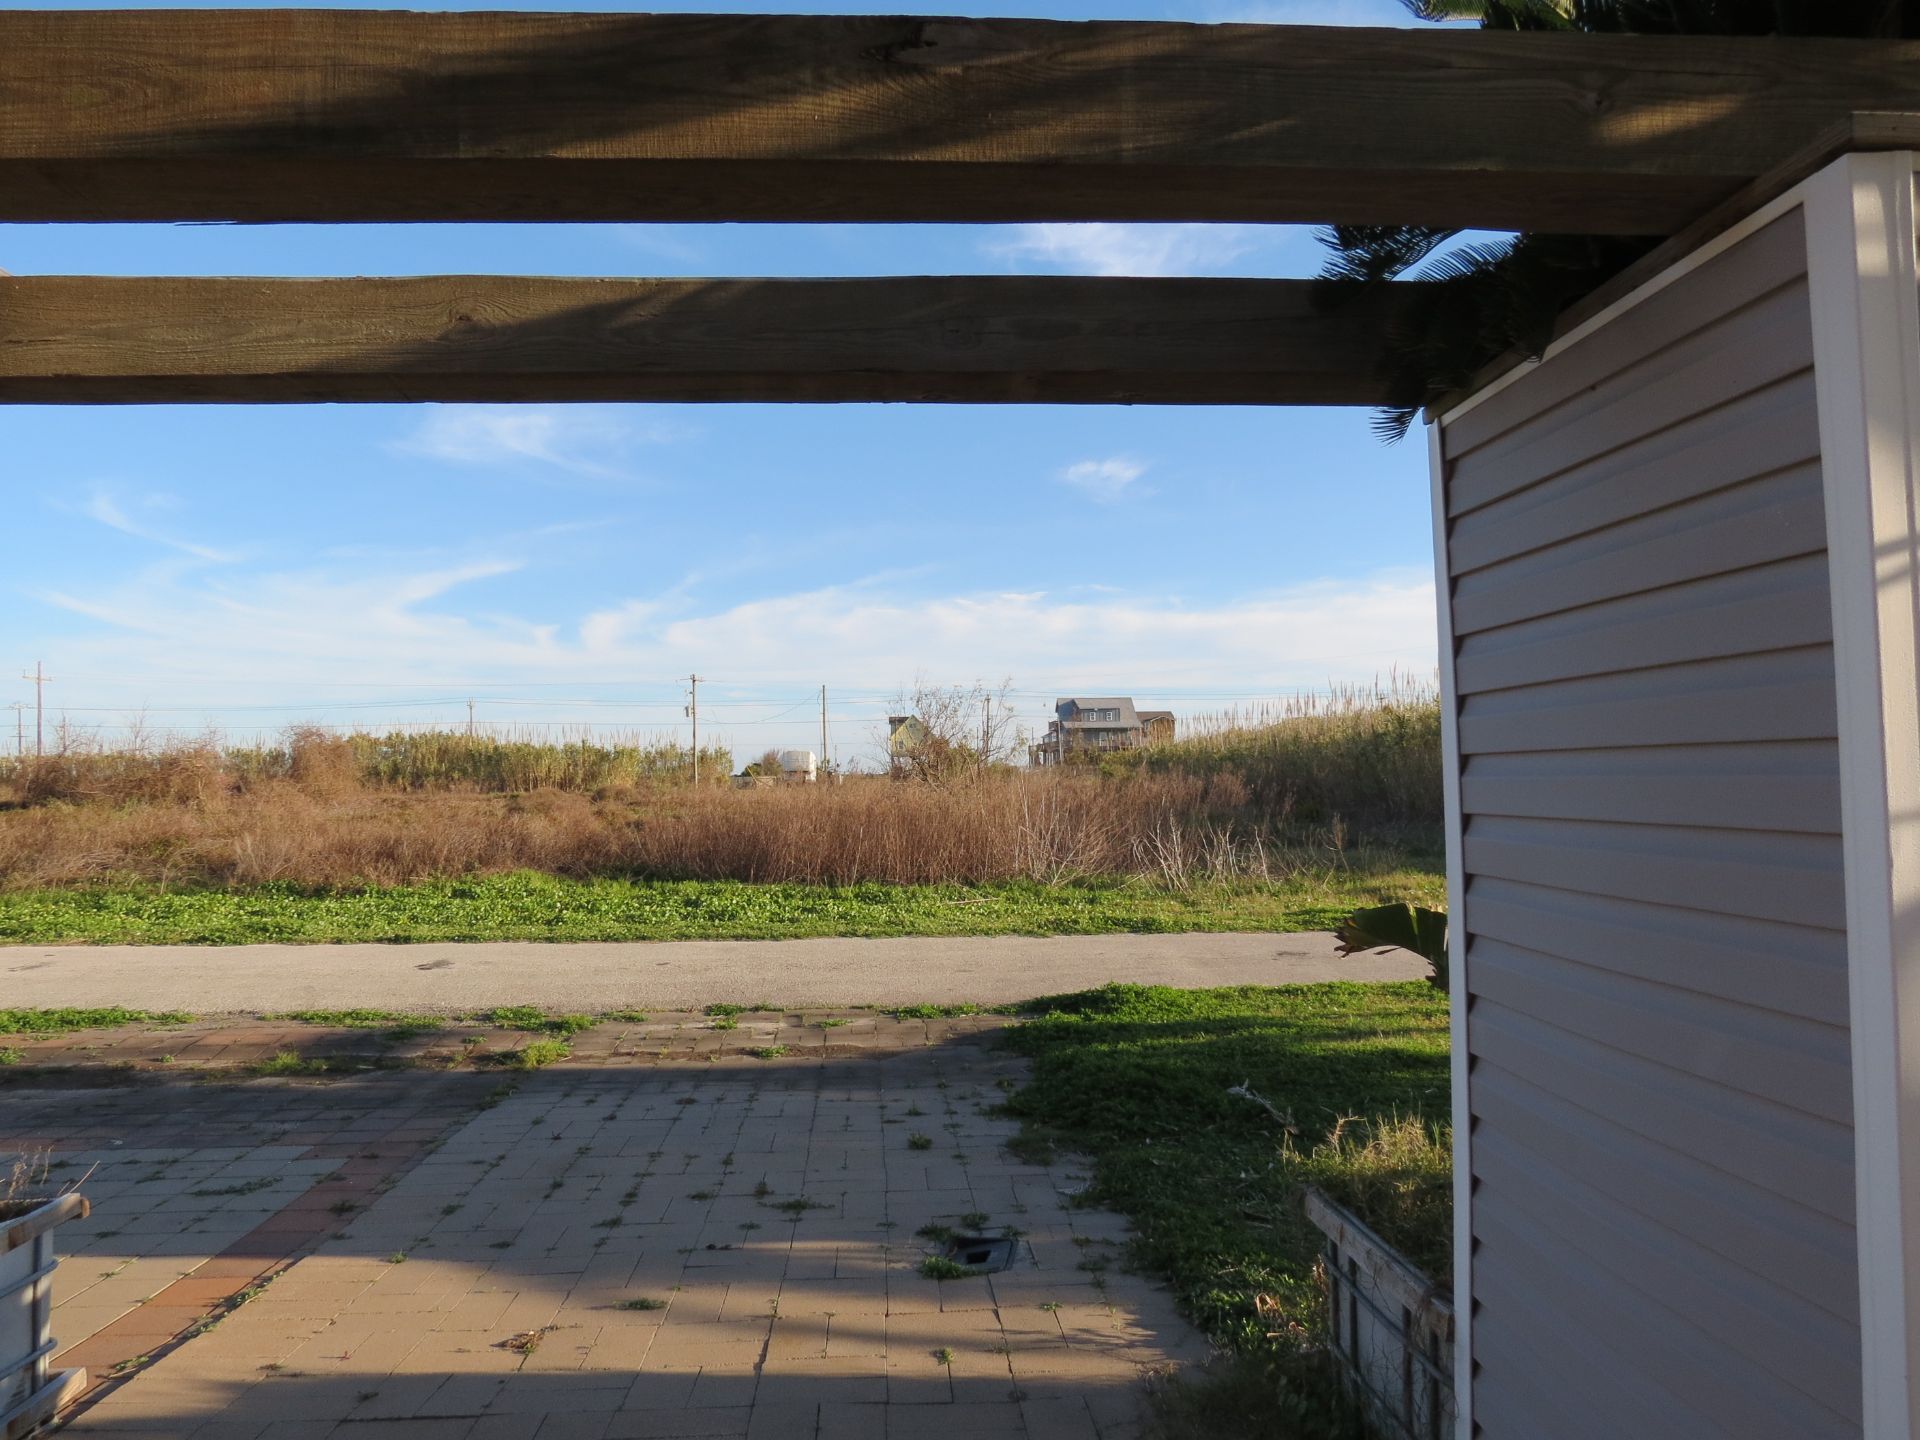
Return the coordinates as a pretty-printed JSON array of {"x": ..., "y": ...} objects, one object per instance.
[
  {"x": 1399, "y": 927},
  {"x": 1488, "y": 297}
]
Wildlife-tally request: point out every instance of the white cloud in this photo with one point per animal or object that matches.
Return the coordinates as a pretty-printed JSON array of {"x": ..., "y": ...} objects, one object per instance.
[
  {"x": 1105, "y": 480},
  {"x": 105, "y": 509},
  {"x": 287, "y": 636},
  {"x": 586, "y": 440},
  {"x": 1105, "y": 248}
]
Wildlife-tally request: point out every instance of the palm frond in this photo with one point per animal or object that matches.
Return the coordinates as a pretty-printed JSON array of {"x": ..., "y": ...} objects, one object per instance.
[{"x": 1475, "y": 302}]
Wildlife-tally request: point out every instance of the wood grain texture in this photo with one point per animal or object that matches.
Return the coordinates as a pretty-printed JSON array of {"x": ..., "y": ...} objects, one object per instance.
[
  {"x": 336, "y": 115},
  {"x": 1010, "y": 339}
]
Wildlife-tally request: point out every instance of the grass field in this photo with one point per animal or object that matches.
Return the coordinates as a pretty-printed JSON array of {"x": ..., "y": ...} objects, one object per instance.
[
  {"x": 532, "y": 906},
  {"x": 1139, "y": 1078}
]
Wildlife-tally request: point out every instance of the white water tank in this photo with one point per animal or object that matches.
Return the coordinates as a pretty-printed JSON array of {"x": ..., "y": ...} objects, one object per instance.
[{"x": 800, "y": 763}]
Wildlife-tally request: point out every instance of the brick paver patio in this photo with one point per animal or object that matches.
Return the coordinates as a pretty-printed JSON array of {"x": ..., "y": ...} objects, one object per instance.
[{"x": 664, "y": 1235}]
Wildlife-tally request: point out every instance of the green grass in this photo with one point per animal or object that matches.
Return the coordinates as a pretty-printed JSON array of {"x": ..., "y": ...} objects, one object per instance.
[
  {"x": 1138, "y": 1078},
  {"x": 532, "y": 1018},
  {"x": 528, "y": 906},
  {"x": 291, "y": 1062},
  {"x": 536, "y": 1054},
  {"x": 66, "y": 1019},
  {"x": 934, "y": 1012},
  {"x": 938, "y": 1267},
  {"x": 394, "y": 1022}
]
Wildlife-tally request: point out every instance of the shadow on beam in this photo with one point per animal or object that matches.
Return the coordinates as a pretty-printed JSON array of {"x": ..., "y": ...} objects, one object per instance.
[
  {"x": 332, "y": 115},
  {"x": 949, "y": 339}
]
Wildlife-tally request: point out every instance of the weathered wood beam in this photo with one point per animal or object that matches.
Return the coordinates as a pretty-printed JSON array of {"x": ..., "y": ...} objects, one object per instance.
[
  {"x": 1005, "y": 339},
  {"x": 356, "y": 115}
]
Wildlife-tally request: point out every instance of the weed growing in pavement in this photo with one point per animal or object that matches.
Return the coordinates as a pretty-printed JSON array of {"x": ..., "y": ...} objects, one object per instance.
[
  {"x": 531, "y": 1017},
  {"x": 536, "y": 1054},
  {"x": 641, "y": 1302},
  {"x": 244, "y": 1187},
  {"x": 398, "y": 1023},
  {"x": 768, "y": 1052},
  {"x": 64, "y": 1020},
  {"x": 799, "y": 1205},
  {"x": 933, "y": 1012},
  {"x": 917, "y": 1141},
  {"x": 939, "y": 1267},
  {"x": 291, "y": 1062},
  {"x": 11, "y": 1055}
]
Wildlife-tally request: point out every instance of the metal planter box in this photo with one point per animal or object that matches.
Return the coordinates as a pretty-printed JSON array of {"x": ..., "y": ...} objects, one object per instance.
[
  {"x": 31, "y": 1390},
  {"x": 1390, "y": 1327}
]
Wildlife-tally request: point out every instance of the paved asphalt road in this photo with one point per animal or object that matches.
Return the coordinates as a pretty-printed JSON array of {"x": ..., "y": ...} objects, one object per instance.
[{"x": 666, "y": 975}]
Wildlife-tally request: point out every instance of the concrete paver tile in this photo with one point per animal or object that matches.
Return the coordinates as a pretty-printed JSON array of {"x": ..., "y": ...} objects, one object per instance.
[
  {"x": 562, "y": 1426},
  {"x": 1062, "y": 1417},
  {"x": 840, "y": 1421},
  {"x": 803, "y": 1324},
  {"x": 1000, "y": 1421},
  {"x": 673, "y": 1424},
  {"x": 784, "y": 1421}
]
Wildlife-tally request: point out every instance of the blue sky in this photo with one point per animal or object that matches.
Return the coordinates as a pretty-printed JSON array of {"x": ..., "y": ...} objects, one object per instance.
[{"x": 245, "y": 568}]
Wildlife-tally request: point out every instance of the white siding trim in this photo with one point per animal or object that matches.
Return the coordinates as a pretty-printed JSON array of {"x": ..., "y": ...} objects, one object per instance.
[
  {"x": 1724, "y": 241},
  {"x": 1866, "y": 332},
  {"x": 1456, "y": 953}
]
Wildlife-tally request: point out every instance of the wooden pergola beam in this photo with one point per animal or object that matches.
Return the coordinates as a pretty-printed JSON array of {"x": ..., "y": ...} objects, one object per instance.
[
  {"x": 356, "y": 115},
  {"x": 1004, "y": 339}
]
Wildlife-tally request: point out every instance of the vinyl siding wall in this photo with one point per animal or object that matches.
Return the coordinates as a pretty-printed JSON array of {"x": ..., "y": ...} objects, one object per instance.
[{"x": 1656, "y": 975}]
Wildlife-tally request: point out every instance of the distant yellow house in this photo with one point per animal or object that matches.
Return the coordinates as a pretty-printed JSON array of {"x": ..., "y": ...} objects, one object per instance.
[{"x": 907, "y": 739}]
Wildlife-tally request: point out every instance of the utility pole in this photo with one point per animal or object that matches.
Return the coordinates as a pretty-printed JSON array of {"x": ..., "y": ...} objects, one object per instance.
[
  {"x": 40, "y": 679},
  {"x": 825, "y": 761},
  {"x": 693, "y": 711},
  {"x": 469, "y": 717},
  {"x": 19, "y": 708}
]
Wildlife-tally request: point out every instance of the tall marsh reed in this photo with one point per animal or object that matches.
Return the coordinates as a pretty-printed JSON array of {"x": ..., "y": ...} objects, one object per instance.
[
  {"x": 1364, "y": 753},
  {"x": 1244, "y": 799}
]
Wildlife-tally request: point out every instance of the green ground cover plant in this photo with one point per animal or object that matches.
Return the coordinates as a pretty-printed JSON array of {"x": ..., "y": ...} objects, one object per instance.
[
  {"x": 533, "y": 906},
  {"x": 1163, "y": 1090},
  {"x": 398, "y": 1023},
  {"x": 64, "y": 1020}
]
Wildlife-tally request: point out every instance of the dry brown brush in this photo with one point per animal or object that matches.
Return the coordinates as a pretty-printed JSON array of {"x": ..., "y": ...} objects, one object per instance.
[{"x": 327, "y": 810}]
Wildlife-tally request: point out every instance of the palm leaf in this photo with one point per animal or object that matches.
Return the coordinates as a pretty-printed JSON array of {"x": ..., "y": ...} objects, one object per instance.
[{"x": 1485, "y": 299}]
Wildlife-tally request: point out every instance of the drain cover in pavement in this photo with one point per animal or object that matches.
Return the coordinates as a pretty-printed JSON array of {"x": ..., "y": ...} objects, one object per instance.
[{"x": 983, "y": 1252}]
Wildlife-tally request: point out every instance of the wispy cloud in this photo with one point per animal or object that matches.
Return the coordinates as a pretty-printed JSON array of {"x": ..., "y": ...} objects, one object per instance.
[
  {"x": 413, "y": 627},
  {"x": 108, "y": 511},
  {"x": 589, "y": 441},
  {"x": 1105, "y": 248},
  {"x": 1106, "y": 480}
]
